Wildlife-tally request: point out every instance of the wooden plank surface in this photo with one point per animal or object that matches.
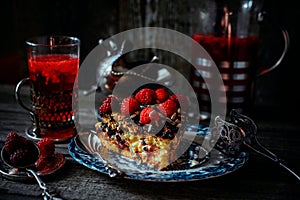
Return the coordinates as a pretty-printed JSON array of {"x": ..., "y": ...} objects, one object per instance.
[{"x": 259, "y": 178}]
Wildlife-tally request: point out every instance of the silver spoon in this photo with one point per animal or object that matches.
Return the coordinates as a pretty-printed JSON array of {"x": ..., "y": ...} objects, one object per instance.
[
  {"x": 242, "y": 131},
  {"x": 28, "y": 167}
]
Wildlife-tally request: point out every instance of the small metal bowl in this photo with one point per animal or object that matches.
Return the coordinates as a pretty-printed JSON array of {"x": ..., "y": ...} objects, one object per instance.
[{"x": 29, "y": 163}]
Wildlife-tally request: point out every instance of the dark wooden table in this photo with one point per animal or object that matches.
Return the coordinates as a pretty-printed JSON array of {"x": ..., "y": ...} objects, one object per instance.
[{"x": 259, "y": 178}]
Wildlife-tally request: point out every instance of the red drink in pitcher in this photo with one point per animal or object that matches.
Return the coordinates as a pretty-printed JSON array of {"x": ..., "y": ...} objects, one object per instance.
[{"x": 235, "y": 59}]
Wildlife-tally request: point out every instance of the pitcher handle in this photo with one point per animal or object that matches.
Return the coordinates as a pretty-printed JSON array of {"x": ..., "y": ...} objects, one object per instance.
[{"x": 286, "y": 38}]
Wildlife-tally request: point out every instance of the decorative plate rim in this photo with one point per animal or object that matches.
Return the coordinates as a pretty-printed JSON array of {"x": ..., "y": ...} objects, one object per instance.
[{"x": 201, "y": 172}]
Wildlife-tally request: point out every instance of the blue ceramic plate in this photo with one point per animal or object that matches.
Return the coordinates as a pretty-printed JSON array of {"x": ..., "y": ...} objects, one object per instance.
[{"x": 212, "y": 165}]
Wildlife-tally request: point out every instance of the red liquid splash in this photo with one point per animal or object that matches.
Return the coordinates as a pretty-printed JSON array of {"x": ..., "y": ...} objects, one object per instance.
[{"x": 54, "y": 69}]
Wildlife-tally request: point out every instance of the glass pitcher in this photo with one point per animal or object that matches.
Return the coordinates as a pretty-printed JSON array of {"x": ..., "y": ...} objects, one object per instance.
[{"x": 230, "y": 32}]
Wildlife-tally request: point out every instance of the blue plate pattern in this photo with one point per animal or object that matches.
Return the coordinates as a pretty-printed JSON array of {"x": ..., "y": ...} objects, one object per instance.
[{"x": 215, "y": 165}]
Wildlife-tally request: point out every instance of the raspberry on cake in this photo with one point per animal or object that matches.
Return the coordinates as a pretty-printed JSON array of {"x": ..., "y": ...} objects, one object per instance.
[
  {"x": 169, "y": 107},
  {"x": 161, "y": 94},
  {"x": 147, "y": 129},
  {"x": 106, "y": 105},
  {"x": 147, "y": 115},
  {"x": 129, "y": 105},
  {"x": 180, "y": 100},
  {"x": 145, "y": 96}
]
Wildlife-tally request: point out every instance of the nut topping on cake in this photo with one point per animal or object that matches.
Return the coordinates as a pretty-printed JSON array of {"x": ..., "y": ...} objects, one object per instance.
[{"x": 147, "y": 121}]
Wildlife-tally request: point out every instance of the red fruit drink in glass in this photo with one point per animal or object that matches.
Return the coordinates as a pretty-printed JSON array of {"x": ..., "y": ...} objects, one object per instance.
[
  {"x": 236, "y": 59},
  {"x": 54, "y": 77}
]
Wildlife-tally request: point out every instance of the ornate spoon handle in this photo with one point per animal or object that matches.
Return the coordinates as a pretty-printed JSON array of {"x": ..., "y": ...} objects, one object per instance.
[
  {"x": 249, "y": 129},
  {"x": 46, "y": 194}
]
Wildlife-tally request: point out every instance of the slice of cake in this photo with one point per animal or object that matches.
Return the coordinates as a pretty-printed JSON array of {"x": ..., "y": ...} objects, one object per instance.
[{"x": 145, "y": 127}]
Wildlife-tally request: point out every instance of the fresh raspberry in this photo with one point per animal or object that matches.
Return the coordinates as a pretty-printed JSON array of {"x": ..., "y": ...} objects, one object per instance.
[
  {"x": 47, "y": 147},
  {"x": 43, "y": 163},
  {"x": 145, "y": 96},
  {"x": 21, "y": 157},
  {"x": 23, "y": 141},
  {"x": 147, "y": 114},
  {"x": 105, "y": 105},
  {"x": 14, "y": 141},
  {"x": 107, "y": 99},
  {"x": 161, "y": 94},
  {"x": 181, "y": 101},
  {"x": 129, "y": 105},
  {"x": 169, "y": 107},
  {"x": 10, "y": 144}
]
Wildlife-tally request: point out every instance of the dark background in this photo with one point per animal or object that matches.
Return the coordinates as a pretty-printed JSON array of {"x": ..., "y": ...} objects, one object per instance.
[{"x": 92, "y": 20}]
